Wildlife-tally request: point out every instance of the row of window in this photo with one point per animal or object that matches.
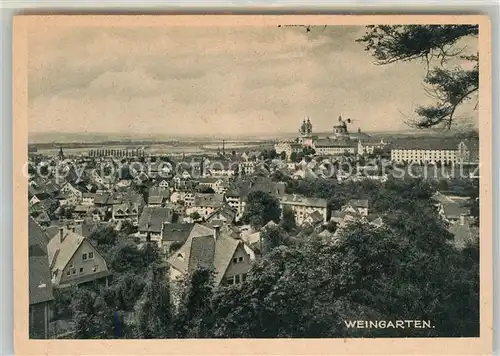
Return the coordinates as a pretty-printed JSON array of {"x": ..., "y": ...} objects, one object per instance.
[
  {"x": 237, "y": 259},
  {"x": 72, "y": 270},
  {"x": 87, "y": 256},
  {"x": 236, "y": 279}
]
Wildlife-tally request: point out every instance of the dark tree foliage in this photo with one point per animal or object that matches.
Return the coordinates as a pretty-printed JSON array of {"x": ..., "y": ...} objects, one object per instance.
[
  {"x": 128, "y": 257},
  {"x": 154, "y": 315},
  {"x": 288, "y": 220},
  {"x": 448, "y": 86},
  {"x": 194, "y": 316},
  {"x": 261, "y": 208},
  {"x": 385, "y": 274},
  {"x": 272, "y": 237},
  {"x": 92, "y": 316}
]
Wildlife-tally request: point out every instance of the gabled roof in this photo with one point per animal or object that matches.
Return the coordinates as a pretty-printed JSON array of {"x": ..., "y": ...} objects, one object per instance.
[
  {"x": 156, "y": 199},
  {"x": 209, "y": 200},
  {"x": 60, "y": 253},
  {"x": 43, "y": 217},
  {"x": 316, "y": 217},
  {"x": 126, "y": 208},
  {"x": 201, "y": 248},
  {"x": 224, "y": 210},
  {"x": 40, "y": 285},
  {"x": 358, "y": 203},
  {"x": 101, "y": 198},
  {"x": 159, "y": 192},
  {"x": 153, "y": 218},
  {"x": 177, "y": 232}
]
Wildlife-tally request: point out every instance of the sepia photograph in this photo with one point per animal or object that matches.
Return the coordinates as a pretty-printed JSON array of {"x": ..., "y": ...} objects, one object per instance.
[{"x": 287, "y": 179}]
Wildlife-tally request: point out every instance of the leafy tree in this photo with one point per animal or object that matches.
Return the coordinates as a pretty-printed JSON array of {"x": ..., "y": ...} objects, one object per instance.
[
  {"x": 104, "y": 239},
  {"x": 127, "y": 257},
  {"x": 449, "y": 87},
  {"x": 195, "y": 216},
  {"x": 194, "y": 316},
  {"x": 331, "y": 226},
  {"x": 260, "y": 209},
  {"x": 153, "y": 314},
  {"x": 283, "y": 155},
  {"x": 125, "y": 291},
  {"x": 293, "y": 157},
  {"x": 272, "y": 237},
  {"x": 288, "y": 220},
  {"x": 92, "y": 317}
]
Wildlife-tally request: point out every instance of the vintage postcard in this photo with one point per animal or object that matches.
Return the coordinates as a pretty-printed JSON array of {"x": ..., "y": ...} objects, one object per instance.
[{"x": 252, "y": 185}]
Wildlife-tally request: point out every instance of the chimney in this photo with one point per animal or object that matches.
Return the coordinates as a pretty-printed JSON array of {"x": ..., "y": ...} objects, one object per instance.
[
  {"x": 216, "y": 231},
  {"x": 61, "y": 234},
  {"x": 462, "y": 219}
]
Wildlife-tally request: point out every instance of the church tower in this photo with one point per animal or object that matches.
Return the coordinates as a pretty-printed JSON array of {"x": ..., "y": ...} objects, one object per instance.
[
  {"x": 61, "y": 153},
  {"x": 340, "y": 129}
]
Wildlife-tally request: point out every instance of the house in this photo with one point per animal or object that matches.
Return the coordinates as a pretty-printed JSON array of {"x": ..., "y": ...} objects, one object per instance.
[
  {"x": 205, "y": 204},
  {"x": 314, "y": 219},
  {"x": 163, "y": 184},
  {"x": 222, "y": 168},
  {"x": 303, "y": 206},
  {"x": 452, "y": 209},
  {"x": 73, "y": 195},
  {"x": 81, "y": 211},
  {"x": 359, "y": 206},
  {"x": 212, "y": 248},
  {"x": 247, "y": 167},
  {"x": 151, "y": 223},
  {"x": 176, "y": 233},
  {"x": 236, "y": 196},
  {"x": 211, "y": 182},
  {"x": 101, "y": 200},
  {"x": 158, "y": 196},
  {"x": 335, "y": 147},
  {"x": 125, "y": 212},
  {"x": 432, "y": 150},
  {"x": 74, "y": 261},
  {"x": 369, "y": 146},
  {"x": 40, "y": 285},
  {"x": 39, "y": 197},
  {"x": 224, "y": 214},
  {"x": 375, "y": 220},
  {"x": 186, "y": 197},
  {"x": 157, "y": 201},
  {"x": 88, "y": 199}
]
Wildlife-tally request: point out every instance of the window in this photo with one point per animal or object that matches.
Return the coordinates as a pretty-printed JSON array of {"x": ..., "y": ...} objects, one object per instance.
[
  {"x": 81, "y": 269},
  {"x": 84, "y": 257},
  {"x": 91, "y": 255},
  {"x": 244, "y": 277},
  {"x": 95, "y": 268},
  {"x": 240, "y": 259},
  {"x": 237, "y": 279},
  {"x": 68, "y": 272},
  {"x": 73, "y": 271},
  {"x": 235, "y": 260},
  {"x": 230, "y": 280}
]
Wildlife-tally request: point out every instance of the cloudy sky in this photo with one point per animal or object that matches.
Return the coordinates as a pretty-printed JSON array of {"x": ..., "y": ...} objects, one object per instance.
[{"x": 229, "y": 80}]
